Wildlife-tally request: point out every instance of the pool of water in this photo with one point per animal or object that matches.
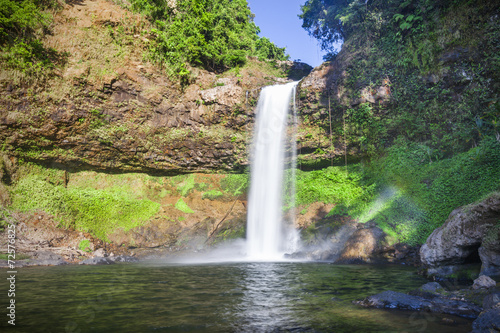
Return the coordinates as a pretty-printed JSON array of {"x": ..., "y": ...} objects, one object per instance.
[{"x": 228, "y": 297}]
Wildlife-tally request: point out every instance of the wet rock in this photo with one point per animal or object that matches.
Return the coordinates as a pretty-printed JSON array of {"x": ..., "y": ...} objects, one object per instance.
[
  {"x": 46, "y": 258},
  {"x": 484, "y": 282},
  {"x": 489, "y": 253},
  {"x": 487, "y": 322},
  {"x": 124, "y": 258},
  {"x": 464, "y": 273},
  {"x": 491, "y": 301},
  {"x": 97, "y": 261},
  {"x": 431, "y": 287}
]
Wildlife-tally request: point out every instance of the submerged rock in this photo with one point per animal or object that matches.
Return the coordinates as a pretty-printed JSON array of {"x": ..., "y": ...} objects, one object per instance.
[
  {"x": 432, "y": 303},
  {"x": 431, "y": 287},
  {"x": 395, "y": 300}
]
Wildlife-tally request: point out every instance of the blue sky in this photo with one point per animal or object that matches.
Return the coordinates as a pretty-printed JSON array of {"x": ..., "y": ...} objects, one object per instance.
[{"x": 278, "y": 21}]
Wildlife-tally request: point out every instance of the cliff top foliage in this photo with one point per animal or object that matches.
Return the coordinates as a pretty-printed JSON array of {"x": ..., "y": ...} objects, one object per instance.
[
  {"x": 212, "y": 34},
  {"x": 438, "y": 60}
]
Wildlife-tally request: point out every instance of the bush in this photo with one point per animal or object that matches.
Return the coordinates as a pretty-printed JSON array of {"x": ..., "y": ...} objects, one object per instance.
[
  {"x": 426, "y": 192},
  {"x": 214, "y": 34},
  {"x": 22, "y": 24},
  {"x": 84, "y": 245}
]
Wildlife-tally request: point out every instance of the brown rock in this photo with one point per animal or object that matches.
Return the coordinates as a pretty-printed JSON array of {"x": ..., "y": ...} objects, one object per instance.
[{"x": 363, "y": 245}]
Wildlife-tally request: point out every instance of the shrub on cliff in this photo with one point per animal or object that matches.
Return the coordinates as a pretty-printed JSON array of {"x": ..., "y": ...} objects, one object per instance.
[
  {"x": 22, "y": 25},
  {"x": 213, "y": 34}
]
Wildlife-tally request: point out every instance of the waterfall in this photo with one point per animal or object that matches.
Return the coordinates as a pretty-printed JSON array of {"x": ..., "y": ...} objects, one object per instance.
[{"x": 266, "y": 234}]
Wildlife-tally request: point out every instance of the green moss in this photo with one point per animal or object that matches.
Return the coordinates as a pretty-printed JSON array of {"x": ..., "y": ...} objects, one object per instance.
[
  {"x": 186, "y": 186},
  {"x": 235, "y": 184},
  {"x": 212, "y": 195},
  {"x": 183, "y": 207},
  {"x": 99, "y": 212}
]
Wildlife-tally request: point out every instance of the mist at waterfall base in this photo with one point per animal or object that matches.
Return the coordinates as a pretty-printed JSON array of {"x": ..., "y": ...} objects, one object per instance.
[{"x": 268, "y": 235}]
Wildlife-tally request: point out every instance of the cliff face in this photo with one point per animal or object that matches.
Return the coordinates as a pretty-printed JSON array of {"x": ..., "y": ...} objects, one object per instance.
[
  {"x": 425, "y": 73},
  {"x": 108, "y": 109}
]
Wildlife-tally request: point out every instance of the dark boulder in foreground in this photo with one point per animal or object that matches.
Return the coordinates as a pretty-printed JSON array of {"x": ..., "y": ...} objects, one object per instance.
[{"x": 489, "y": 320}]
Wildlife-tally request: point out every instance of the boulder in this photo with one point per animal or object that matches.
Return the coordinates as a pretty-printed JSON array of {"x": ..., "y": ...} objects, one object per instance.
[
  {"x": 491, "y": 301},
  {"x": 484, "y": 282},
  {"x": 228, "y": 95},
  {"x": 487, "y": 322},
  {"x": 431, "y": 287},
  {"x": 466, "y": 230},
  {"x": 363, "y": 245},
  {"x": 99, "y": 253}
]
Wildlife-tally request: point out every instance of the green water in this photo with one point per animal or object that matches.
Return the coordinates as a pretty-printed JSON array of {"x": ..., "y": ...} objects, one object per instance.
[{"x": 230, "y": 297}]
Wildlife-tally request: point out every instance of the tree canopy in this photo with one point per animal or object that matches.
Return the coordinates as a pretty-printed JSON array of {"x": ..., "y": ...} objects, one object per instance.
[
  {"x": 214, "y": 34},
  {"x": 331, "y": 21}
]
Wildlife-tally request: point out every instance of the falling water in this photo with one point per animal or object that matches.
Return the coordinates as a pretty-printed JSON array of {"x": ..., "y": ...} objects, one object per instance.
[{"x": 266, "y": 234}]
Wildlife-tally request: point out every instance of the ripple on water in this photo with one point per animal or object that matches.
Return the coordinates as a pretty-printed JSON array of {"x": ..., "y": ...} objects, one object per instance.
[{"x": 231, "y": 297}]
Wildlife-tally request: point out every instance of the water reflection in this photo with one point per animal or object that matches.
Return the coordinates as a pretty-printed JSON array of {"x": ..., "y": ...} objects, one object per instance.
[
  {"x": 232, "y": 297},
  {"x": 267, "y": 303}
]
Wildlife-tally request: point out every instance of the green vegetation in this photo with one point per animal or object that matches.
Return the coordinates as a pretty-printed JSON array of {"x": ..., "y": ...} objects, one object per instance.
[
  {"x": 186, "y": 186},
  {"x": 212, "y": 195},
  {"x": 235, "y": 184},
  {"x": 22, "y": 25},
  {"x": 331, "y": 185},
  {"x": 84, "y": 245},
  {"x": 213, "y": 34},
  {"x": 404, "y": 192},
  {"x": 437, "y": 60},
  {"x": 183, "y": 207},
  {"x": 99, "y": 212}
]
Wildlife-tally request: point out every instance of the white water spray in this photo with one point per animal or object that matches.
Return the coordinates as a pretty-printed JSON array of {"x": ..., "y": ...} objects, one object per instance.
[{"x": 267, "y": 237}]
